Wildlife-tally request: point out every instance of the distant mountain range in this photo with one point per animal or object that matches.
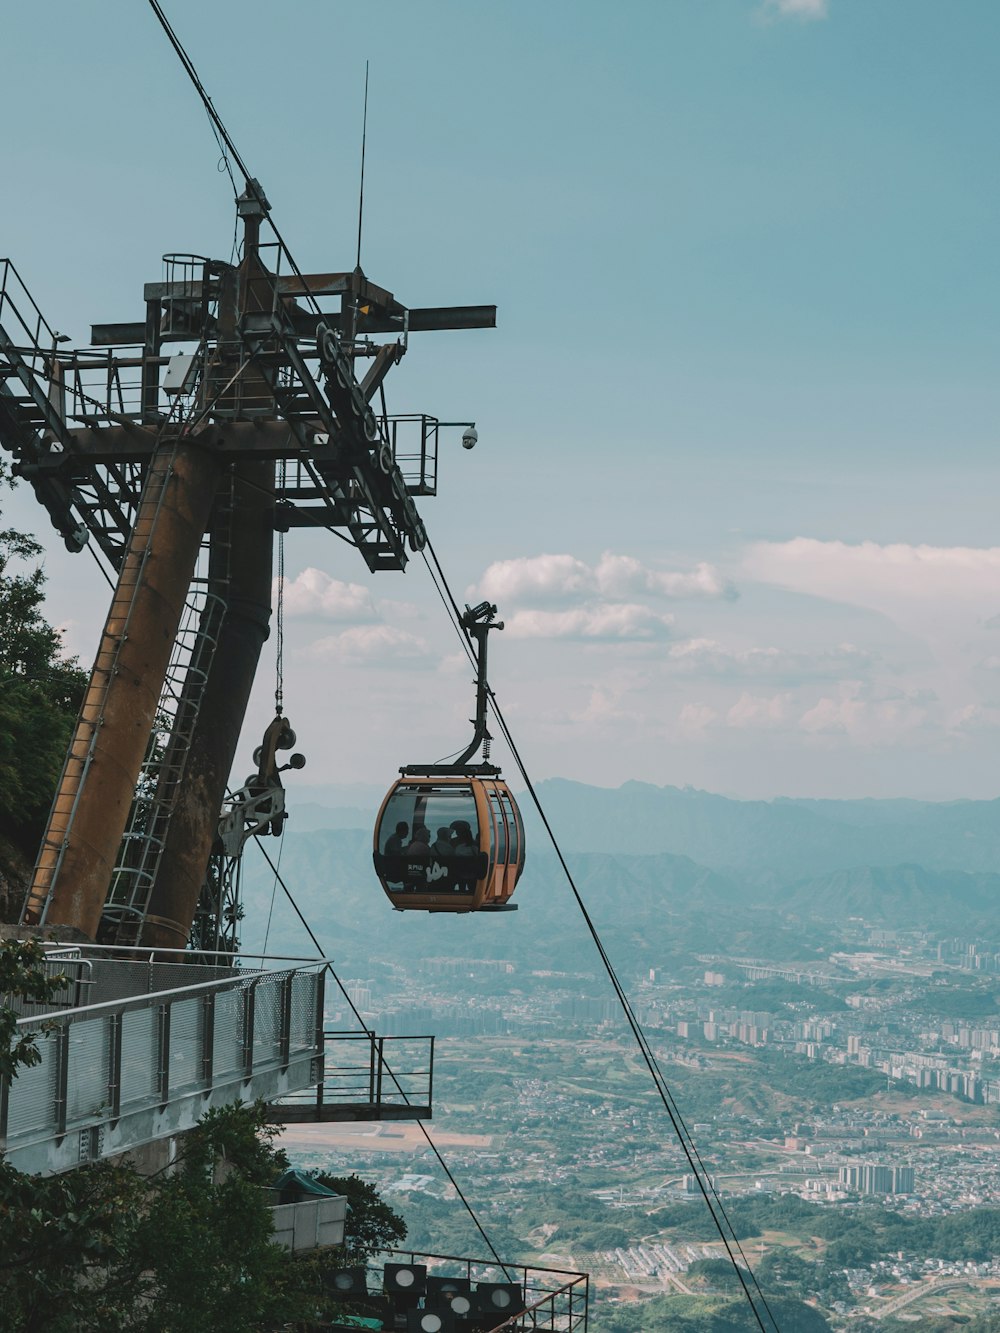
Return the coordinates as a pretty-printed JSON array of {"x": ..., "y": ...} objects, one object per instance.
[
  {"x": 787, "y": 837},
  {"x": 653, "y": 904}
]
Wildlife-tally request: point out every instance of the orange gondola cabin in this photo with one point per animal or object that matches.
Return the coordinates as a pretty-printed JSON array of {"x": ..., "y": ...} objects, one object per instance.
[{"x": 449, "y": 837}]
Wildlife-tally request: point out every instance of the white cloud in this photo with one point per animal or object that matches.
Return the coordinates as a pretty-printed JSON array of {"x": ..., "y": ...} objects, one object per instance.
[
  {"x": 706, "y": 657},
  {"x": 759, "y": 712},
  {"x": 537, "y": 579},
  {"x": 371, "y": 645},
  {"x": 313, "y": 593},
  {"x": 551, "y": 580},
  {"x": 611, "y": 620},
  {"x": 795, "y": 9},
  {"x": 876, "y": 717},
  {"x": 830, "y": 716},
  {"x": 623, "y": 575},
  {"x": 603, "y": 706},
  {"x": 696, "y": 718},
  {"x": 392, "y": 609},
  {"x": 974, "y": 719},
  {"x": 456, "y": 664},
  {"x": 871, "y": 574}
]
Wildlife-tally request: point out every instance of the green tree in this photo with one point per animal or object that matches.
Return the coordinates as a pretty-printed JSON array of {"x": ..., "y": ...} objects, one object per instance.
[
  {"x": 104, "y": 1249},
  {"x": 718, "y": 1273},
  {"x": 40, "y": 690},
  {"x": 371, "y": 1224},
  {"x": 203, "y": 1247},
  {"x": 23, "y": 979}
]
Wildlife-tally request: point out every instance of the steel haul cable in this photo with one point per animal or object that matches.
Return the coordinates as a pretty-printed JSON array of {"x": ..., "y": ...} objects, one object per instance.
[
  {"x": 720, "y": 1217},
  {"x": 687, "y": 1143},
  {"x": 423, "y": 1129}
]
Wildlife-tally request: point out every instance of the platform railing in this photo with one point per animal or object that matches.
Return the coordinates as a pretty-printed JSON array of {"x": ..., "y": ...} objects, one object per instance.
[
  {"x": 116, "y": 1074},
  {"x": 555, "y": 1300},
  {"x": 17, "y": 307},
  {"x": 367, "y": 1077}
]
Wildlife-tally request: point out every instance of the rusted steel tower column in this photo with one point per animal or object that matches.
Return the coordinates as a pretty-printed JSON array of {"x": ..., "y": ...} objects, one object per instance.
[
  {"x": 195, "y": 820},
  {"x": 95, "y": 792},
  {"x": 239, "y": 572}
]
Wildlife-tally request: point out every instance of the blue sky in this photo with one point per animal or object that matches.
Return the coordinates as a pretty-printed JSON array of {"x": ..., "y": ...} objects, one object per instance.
[{"x": 735, "y": 487}]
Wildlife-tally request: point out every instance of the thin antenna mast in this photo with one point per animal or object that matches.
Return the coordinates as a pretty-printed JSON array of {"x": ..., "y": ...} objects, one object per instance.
[{"x": 361, "y": 193}]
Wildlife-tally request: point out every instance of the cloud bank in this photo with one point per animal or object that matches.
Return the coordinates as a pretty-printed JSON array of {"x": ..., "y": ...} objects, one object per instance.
[
  {"x": 613, "y": 621},
  {"x": 371, "y": 645},
  {"x": 313, "y": 593},
  {"x": 558, "y": 596},
  {"x": 706, "y": 657},
  {"x": 795, "y": 9},
  {"x": 542, "y": 580},
  {"x": 869, "y": 573}
]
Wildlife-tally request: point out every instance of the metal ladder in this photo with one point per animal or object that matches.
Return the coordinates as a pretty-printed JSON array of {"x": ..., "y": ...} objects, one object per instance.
[
  {"x": 81, "y": 750},
  {"x": 162, "y": 771}
]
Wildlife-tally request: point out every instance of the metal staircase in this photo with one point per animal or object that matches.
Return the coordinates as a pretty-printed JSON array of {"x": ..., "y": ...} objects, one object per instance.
[
  {"x": 35, "y": 429},
  {"x": 29, "y": 393}
]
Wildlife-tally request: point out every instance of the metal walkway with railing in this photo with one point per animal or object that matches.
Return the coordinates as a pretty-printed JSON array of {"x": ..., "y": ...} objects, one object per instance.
[
  {"x": 367, "y": 1077},
  {"x": 143, "y": 1048},
  {"x": 539, "y": 1300}
]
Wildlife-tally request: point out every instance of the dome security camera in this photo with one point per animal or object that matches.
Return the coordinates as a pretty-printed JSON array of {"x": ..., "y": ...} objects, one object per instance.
[{"x": 469, "y": 438}]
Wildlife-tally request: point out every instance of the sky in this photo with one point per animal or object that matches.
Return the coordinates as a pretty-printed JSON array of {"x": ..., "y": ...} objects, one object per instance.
[{"x": 735, "y": 486}]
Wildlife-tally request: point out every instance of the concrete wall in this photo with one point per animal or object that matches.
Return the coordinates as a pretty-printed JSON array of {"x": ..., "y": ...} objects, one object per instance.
[{"x": 310, "y": 1225}]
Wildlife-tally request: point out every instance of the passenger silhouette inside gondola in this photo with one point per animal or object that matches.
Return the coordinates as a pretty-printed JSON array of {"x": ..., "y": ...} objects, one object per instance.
[
  {"x": 464, "y": 850},
  {"x": 418, "y": 857},
  {"x": 394, "y": 842},
  {"x": 394, "y": 852}
]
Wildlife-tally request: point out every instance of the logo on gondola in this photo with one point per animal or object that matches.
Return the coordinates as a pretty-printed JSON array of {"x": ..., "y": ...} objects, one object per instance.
[{"x": 436, "y": 871}]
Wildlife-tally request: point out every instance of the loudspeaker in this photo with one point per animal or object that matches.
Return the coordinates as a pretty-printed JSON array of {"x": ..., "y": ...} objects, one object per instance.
[
  {"x": 443, "y": 1290},
  {"x": 347, "y": 1282},
  {"x": 435, "y": 1319},
  {"x": 410, "y": 1279},
  {"x": 405, "y": 1283},
  {"x": 500, "y": 1298}
]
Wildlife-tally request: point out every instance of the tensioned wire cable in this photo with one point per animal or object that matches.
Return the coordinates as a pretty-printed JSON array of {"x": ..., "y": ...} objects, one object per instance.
[
  {"x": 666, "y": 1097},
  {"x": 720, "y": 1217},
  {"x": 423, "y": 1128},
  {"x": 222, "y": 133}
]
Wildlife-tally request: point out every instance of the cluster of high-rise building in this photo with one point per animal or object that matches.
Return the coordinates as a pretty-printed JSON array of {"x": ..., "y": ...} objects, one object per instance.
[
  {"x": 971, "y": 957},
  {"x": 870, "y": 1178},
  {"x": 970, "y": 1038},
  {"x": 459, "y": 967}
]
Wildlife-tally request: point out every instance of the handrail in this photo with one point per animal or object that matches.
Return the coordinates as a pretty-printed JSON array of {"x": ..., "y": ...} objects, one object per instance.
[
  {"x": 370, "y": 1081},
  {"x": 145, "y": 999},
  {"x": 515, "y": 1320},
  {"x": 570, "y": 1294},
  {"x": 145, "y": 954},
  {"x": 113, "y": 1074}
]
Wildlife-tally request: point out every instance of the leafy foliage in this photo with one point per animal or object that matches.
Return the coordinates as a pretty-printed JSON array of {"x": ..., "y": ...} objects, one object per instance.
[
  {"x": 663, "y": 1315},
  {"x": 859, "y": 1236},
  {"x": 40, "y": 690},
  {"x": 106, "y": 1250},
  {"x": 22, "y": 978},
  {"x": 371, "y": 1224},
  {"x": 203, "y": 1243}
]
